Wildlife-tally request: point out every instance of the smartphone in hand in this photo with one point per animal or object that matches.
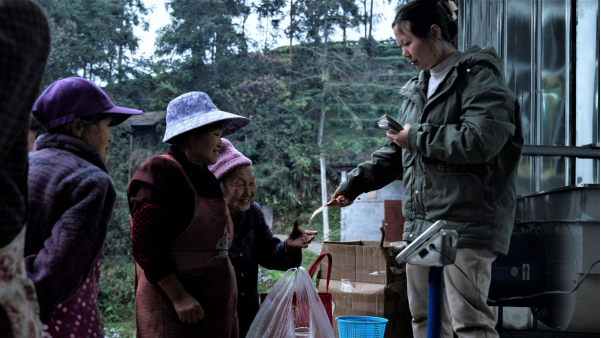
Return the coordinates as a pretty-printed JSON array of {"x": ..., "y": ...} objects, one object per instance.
[{"x": 389, "y": 124}]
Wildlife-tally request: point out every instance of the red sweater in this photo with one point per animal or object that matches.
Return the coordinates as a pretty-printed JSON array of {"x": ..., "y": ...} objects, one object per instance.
[{"x": 161, "y": 204}]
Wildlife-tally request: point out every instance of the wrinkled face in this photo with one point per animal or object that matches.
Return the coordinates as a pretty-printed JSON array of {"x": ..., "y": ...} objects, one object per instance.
[
  {"x": 99, "y": 137},
  {"x": 417, "y": 51},
  {"x": 240, "y": 189},
  {"x": 204, "y": 149}
]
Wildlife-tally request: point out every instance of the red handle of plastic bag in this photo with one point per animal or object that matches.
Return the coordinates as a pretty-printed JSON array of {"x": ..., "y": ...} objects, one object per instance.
[{"x": 315, "y": 264}]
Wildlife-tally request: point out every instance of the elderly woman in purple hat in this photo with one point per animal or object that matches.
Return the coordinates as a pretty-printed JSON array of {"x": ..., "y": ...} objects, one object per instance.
[
  {"x": 182, "y": 230},
  {"x": 254, "y": 243},
  {"x": 71, "y": 198}
]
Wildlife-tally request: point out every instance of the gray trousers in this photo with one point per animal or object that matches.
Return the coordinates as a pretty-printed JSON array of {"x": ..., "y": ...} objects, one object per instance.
[{"x": 464, "y": 309}]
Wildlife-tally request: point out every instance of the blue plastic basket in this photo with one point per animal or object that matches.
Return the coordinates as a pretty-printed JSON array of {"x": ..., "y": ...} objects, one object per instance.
[{"x": 361, "y": 326}]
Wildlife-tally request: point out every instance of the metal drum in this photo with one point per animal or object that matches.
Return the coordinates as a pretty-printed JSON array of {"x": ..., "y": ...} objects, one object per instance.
[{"x": 567, "y": 219}]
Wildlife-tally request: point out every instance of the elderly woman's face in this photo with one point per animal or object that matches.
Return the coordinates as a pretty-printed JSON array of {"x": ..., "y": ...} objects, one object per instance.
[
  {"x": 240, "y": 189},
  {"x": 97, "y": 135}
]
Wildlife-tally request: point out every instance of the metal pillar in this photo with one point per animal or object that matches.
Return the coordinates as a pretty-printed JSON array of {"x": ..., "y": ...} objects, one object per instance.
[{"x": 435, "y": 302}]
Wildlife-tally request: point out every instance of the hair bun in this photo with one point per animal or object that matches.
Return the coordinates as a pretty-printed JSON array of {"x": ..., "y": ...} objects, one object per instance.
[{"x": 450, "y": 8}]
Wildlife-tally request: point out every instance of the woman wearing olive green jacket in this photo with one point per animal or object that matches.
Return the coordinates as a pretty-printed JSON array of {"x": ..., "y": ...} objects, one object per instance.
[{"x": 457, "y": 155}]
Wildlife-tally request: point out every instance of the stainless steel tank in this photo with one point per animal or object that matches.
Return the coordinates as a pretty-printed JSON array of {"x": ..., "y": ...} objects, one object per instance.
[{"x": 568, "y": 219}]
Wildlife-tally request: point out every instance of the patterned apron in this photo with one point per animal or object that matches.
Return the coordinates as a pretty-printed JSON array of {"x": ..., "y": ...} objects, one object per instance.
[
  {"x": 17, "y": 293},
  {"x": 78, "y": 316},
  {"x": 204, "y": 269}
]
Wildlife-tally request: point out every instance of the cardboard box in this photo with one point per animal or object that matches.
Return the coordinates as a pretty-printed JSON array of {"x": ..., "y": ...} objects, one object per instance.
[{"x": 379, "y": 289}]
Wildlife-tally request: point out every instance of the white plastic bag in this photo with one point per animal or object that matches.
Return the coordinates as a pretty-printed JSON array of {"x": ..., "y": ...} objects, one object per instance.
[{"x": 292, "y": 309}]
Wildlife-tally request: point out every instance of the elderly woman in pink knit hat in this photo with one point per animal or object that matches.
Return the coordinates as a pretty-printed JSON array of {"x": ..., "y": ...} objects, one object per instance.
[{"x": 254, "y": 243}]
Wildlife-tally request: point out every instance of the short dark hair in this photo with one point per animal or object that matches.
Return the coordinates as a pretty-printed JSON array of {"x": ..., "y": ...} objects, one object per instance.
[
  {"x": 193, "y": 134},
  {"x": 420, "y": 15},
  {"x": 66, "y": 129},
  {"x": 36, "y": 126}
]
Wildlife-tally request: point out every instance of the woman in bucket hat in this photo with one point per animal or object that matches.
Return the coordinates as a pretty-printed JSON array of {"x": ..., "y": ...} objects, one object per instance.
[
  {"x": 71, "y": 197},
  {"x": 181, "y": 228}
]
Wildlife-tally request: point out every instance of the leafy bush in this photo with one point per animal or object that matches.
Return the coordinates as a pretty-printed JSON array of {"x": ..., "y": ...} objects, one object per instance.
[{"x": 116, "y": 290}]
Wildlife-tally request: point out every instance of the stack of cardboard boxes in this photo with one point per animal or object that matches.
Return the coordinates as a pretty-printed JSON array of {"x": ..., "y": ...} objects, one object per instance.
[{"x": 377, "y": 287}]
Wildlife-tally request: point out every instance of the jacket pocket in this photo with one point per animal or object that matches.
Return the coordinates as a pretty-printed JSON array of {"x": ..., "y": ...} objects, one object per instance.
[
  {"x": 453, "y": 193},
  {"x": 418, "y": 197}
]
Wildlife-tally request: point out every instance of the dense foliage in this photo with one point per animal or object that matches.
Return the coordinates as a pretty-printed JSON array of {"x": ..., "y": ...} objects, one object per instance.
[{"x": 284, "y": 91}]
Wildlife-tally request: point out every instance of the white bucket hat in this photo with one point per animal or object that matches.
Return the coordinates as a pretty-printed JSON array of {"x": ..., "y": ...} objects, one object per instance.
[{"x": 195, "y": 109}]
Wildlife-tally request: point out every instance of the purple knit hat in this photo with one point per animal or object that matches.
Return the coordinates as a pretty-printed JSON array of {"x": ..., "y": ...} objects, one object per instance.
[
  {"x": 229, "y": 159},
  {"x": 74, "y": 97}
]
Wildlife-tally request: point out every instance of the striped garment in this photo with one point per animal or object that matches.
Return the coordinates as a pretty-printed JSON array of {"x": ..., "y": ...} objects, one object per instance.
[{"x": 24, "y": 48}]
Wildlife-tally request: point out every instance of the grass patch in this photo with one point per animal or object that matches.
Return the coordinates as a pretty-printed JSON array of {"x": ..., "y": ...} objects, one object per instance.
[
  {"x": 120, "y": 330},
  {"x": 308, "y": 258},
  {"x": 268, "y": 278}
]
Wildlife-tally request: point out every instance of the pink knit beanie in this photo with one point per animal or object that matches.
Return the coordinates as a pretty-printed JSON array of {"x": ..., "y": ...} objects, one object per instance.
[{"x": 229, "y": 159}]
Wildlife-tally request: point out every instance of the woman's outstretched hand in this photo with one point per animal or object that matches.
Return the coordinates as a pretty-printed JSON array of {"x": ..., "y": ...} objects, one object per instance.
[
  {"x": 298, "y": 238},
  {"x": 338, "y": 199}
]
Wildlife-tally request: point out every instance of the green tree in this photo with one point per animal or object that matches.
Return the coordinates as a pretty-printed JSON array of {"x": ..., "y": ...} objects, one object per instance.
[
  {"x": 270, "y": 11},
  {"x": 347, "y": 18},
  {"x": 202, "y": 40},
  {"x": 83, "y": 45},
  {"x": 280, "y": 142}
]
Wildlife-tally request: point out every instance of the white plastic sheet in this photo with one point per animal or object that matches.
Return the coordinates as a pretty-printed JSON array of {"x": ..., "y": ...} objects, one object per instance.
[{"x": 292, "y": 309}]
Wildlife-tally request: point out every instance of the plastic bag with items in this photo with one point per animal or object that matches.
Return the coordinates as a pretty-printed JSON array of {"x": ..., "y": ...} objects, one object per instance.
[{"x": 292, "y": 309}]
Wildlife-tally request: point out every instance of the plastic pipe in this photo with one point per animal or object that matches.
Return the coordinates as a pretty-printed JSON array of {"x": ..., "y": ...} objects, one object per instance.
[{"x": 435, "y": 302}]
